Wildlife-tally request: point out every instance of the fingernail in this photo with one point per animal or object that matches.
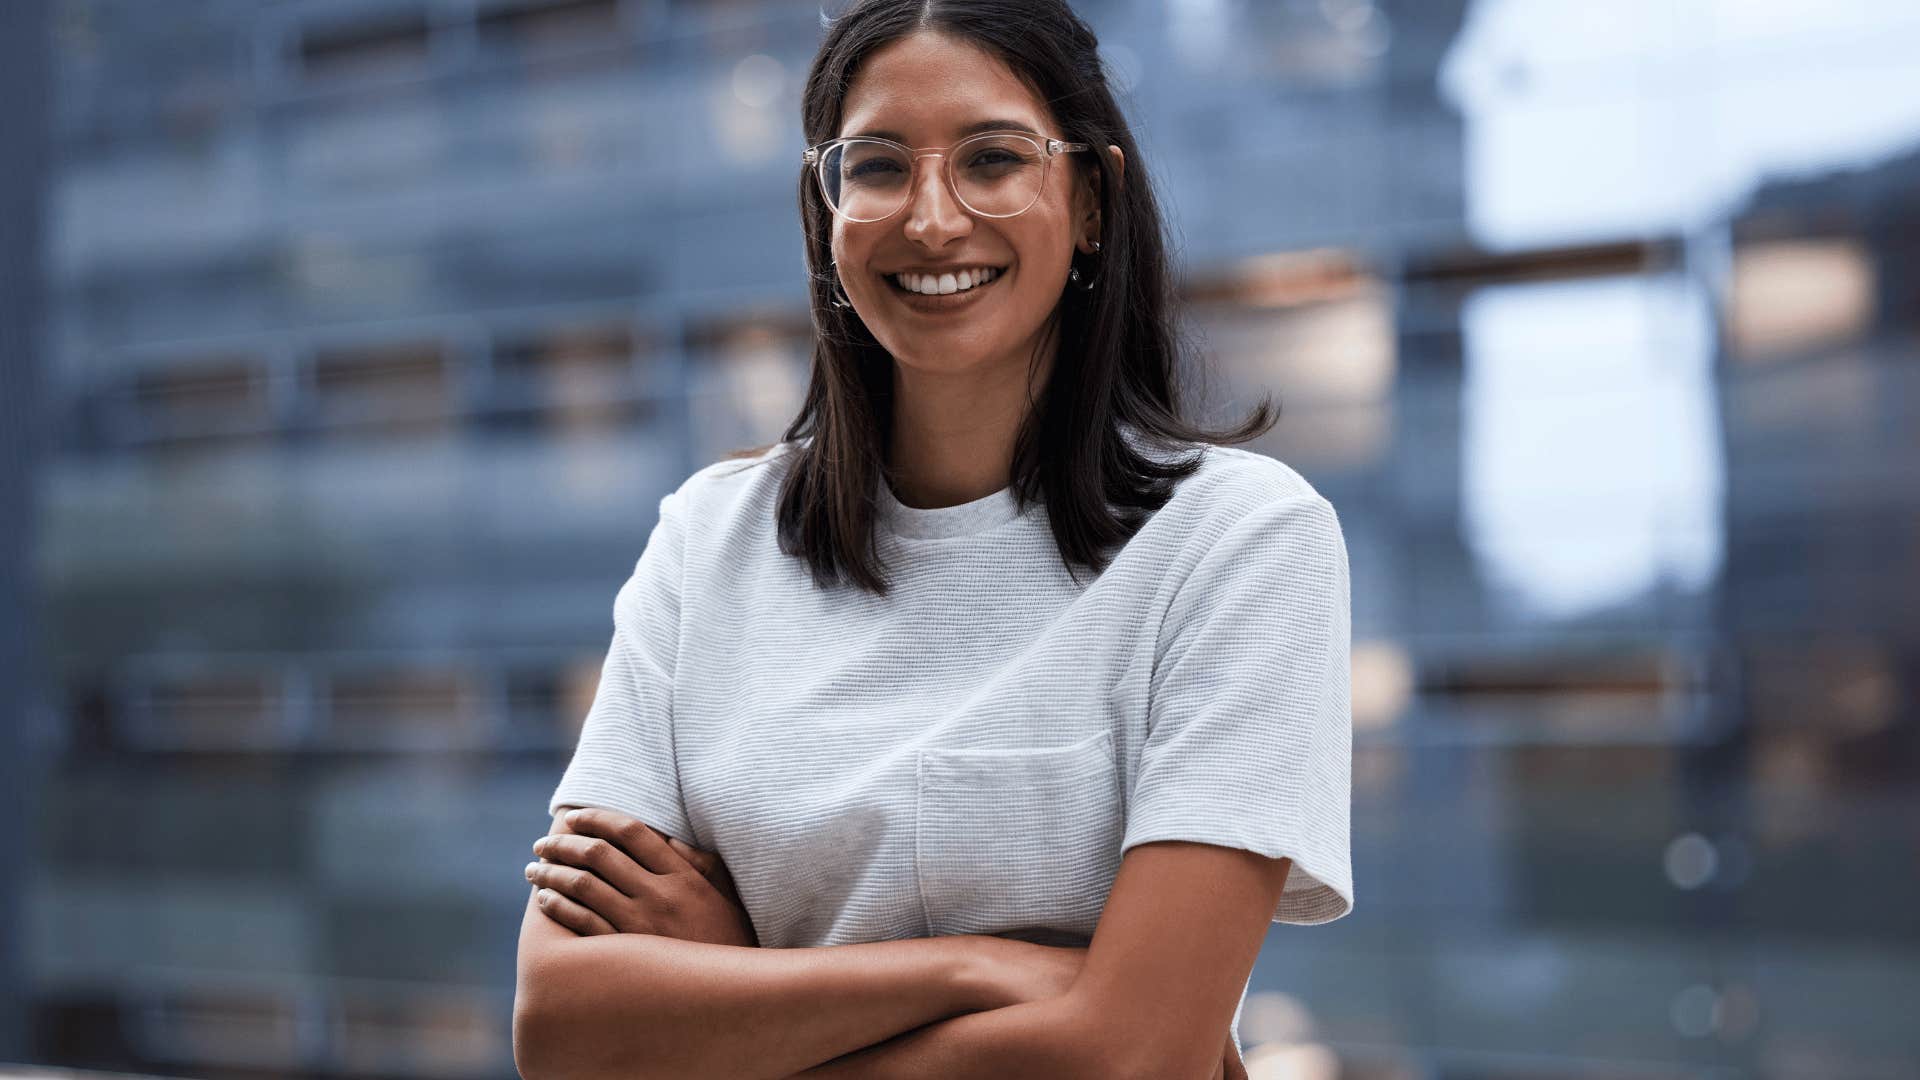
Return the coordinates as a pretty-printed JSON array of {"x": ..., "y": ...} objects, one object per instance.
[
  {"x": 531, "y": 867},
  {"x": 545, "y": 895},
  {"x": 539, "y": 847}
]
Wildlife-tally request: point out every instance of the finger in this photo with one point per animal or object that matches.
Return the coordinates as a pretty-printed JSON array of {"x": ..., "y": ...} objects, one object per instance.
[
  {"x": 644, "y": 846},
  {"x": 708, "y": 864},
  {"x": 571, "y": 915},
  {"x": 600, "y": 858},
  {"x": 703, "y": 861},
  {"x": 583, "y": 887}
]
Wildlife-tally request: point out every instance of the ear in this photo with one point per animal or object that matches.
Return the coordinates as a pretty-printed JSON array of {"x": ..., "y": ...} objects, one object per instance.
[{"x": 1092, "y": 216}]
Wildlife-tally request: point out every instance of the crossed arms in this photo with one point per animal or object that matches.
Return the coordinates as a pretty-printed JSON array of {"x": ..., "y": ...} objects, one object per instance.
[{"x": 1177, "y": 939}]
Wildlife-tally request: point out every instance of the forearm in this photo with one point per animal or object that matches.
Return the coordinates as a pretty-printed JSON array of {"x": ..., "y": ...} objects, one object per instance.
[
  {"x": 630, "y": 1005},
  {"x": 1051, "y": 1038}
]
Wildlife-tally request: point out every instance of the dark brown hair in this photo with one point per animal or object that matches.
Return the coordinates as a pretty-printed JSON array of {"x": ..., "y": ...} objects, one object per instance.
[{"x": 1120, "y": 354}]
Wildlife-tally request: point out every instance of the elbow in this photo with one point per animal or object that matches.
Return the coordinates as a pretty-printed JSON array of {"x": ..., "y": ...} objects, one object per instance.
[
  {"x": 529, "y": 1047},
  {"x": 546, "y": 1049},
  {"x": 551, "y": 1041},
  {"x": 542, "y": 1052},
  {"x": 537, "y": 1046},
  {"x": 555, "y": 1039},
  {"x": 533, "y": 1036}
]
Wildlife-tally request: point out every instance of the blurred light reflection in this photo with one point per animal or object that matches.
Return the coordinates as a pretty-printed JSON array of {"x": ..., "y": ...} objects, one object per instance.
[
  {"x": 1588, "y": 120},
  {"x": 1591, "y": 467}
]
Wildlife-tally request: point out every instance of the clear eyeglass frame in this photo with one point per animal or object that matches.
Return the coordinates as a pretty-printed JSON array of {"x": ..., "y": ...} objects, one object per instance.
[{"x": 1048, "y": 148}]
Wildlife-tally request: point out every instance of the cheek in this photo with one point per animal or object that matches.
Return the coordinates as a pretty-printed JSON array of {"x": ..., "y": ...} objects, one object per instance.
[
  {"x": 1050, "y": 232},
  {"x": 1044, "y": 251},
  {"x": 851, "y": 253},
  {"x": 847, "y": 247}
]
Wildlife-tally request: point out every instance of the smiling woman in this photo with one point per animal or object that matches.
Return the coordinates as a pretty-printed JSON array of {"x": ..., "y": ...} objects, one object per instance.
[
  {"x": 991, "y": 200},
  {"x": 991, "y": 290},
  {"x": 983, "y": 814}
]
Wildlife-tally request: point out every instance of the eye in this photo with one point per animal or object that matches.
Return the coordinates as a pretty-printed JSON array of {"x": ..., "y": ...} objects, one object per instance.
[
  {"x": 987, "y": 157},
  {"x": 870, "y": 168}
]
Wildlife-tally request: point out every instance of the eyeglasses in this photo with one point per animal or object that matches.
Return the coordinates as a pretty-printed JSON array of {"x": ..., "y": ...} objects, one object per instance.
[{"x": 998, "y": 174}]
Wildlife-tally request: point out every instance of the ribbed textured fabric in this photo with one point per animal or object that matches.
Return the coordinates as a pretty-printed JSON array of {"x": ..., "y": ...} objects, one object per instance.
[{"x": 976, "y": 752}]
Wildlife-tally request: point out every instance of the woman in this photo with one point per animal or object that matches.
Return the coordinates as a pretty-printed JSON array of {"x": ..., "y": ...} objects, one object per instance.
[{"x": 1003, "y": 709}]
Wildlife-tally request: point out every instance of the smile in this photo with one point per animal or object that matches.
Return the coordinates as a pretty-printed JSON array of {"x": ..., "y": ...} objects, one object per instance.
[
  {"x": 936, "y": 284},
  {"x": 949, "y": 292}
]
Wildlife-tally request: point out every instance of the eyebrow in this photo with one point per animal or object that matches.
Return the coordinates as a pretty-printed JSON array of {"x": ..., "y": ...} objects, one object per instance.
[{"x": 974, "y": 128}]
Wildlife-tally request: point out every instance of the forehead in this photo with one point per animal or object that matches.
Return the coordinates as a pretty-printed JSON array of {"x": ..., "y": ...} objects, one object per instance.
[{"x": 929, "y": 87}]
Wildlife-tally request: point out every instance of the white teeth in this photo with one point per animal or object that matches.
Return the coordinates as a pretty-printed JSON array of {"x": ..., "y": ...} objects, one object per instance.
[{"x": 932, "y": 285}]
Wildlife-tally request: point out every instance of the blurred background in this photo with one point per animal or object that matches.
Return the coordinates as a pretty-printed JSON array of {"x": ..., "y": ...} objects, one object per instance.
[{"x": 350, "y": 343}]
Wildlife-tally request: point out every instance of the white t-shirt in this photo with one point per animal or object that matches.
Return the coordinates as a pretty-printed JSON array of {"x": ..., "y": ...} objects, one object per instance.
[{"x": 974, "y": 753}]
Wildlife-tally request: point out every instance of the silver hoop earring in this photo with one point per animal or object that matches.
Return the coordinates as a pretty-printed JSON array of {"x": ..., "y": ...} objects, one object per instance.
[
  {"x": 839, "y": 297},
  {"x": 1073, "y": 274}
]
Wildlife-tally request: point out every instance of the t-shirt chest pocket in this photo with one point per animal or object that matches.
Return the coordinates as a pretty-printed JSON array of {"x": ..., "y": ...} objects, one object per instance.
[{"x": 1018, "y": 839}]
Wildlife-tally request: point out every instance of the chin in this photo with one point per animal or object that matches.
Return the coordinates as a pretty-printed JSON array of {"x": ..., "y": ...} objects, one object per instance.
[{"x": 943, "y": 361}]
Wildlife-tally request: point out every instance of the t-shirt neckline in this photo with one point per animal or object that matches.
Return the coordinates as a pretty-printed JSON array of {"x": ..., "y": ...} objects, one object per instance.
[{"x": 939, "y": 522}]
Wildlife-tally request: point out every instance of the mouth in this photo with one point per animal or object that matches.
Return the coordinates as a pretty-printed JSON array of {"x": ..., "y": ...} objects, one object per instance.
[{"x": 945, "y": 292}]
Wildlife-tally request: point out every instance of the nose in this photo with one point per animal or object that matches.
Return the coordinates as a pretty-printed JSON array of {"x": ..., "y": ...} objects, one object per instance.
[{"x": 934, "y": 216}]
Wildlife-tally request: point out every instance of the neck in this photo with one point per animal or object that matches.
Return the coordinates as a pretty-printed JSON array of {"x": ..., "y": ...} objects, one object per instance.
[{"x": 953, "y": 433}]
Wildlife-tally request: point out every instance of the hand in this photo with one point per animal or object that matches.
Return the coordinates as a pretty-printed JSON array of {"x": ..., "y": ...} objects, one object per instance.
[{"x": 611, "y": 874}]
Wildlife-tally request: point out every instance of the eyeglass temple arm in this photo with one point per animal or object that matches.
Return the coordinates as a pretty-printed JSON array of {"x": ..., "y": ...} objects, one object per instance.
[{"x": 1054, "y": 146}]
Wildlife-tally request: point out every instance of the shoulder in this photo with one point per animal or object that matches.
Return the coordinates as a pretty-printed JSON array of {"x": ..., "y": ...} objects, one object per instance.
[
  {"x": 1239, "y": 511},
  {"x": 1248, "y": 528},
  {"x": 1232, "y": 484},
  {"x": 730, "y": 495}
]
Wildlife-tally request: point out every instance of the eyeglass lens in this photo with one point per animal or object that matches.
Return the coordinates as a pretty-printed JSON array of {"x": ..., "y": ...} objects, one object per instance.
[{"x": 996, "y": 176}]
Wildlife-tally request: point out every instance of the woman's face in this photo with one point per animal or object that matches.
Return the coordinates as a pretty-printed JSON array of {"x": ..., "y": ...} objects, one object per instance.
[{"x": 922, "y": 91}]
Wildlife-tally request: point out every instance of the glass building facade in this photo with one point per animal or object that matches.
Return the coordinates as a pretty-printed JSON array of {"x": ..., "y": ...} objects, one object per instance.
[{"x": 367, "y": 334}]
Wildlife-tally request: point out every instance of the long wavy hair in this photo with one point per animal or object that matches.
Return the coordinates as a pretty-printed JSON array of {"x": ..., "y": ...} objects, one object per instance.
[{"x": 1120, "y": 353}]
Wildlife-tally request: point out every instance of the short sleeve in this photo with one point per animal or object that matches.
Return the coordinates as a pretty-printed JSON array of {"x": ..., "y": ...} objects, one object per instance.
[
  {"x": 624, "y": 759},
  {"x": 1249, "y": 728}
]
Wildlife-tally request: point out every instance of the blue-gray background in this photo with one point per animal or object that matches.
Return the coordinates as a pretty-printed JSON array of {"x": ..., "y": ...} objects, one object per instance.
[{"x": 350, "y": 343}]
